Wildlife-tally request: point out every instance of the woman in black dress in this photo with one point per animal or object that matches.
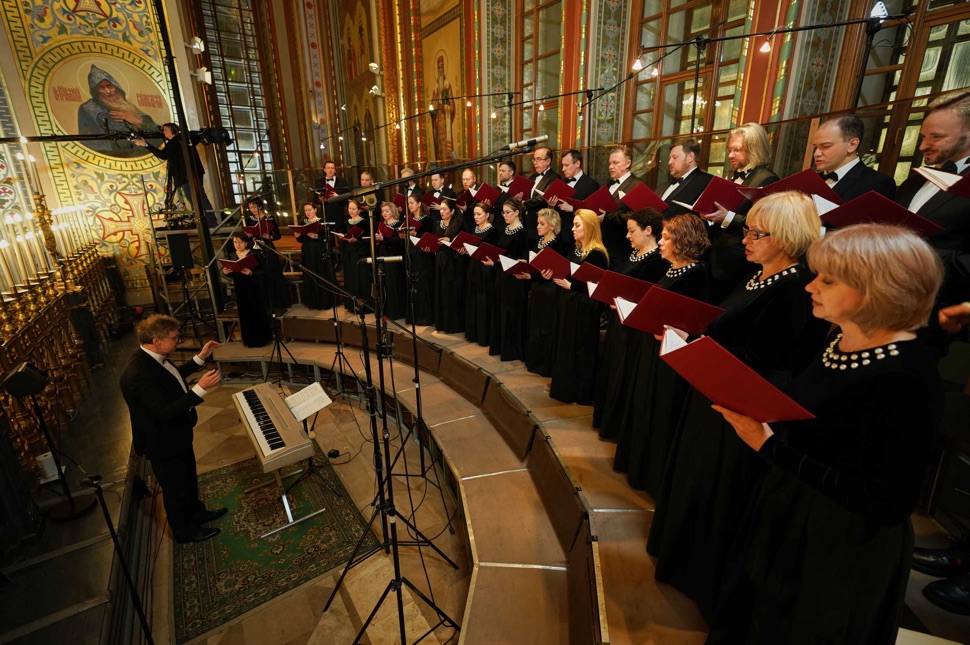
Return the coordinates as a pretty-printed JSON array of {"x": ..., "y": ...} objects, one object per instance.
[
  {"x": 824, "y": 551},
  {"x": 395, "y": 290},
  {"x": 657, "y": 394},
  {"x": 451, "y": 268},
  {"x": 269, "y": 231},
  {"x": 480, "y": 302},
  {"x": 250, "y": 292},
  {"x": 357, "y": 275},
  {"x": 543, "y": 300},
  {"x": 578, "y": 333},
  {"x": 420, "y": 264},
  {"x": 618, "y": 359},
  {"x": 511, "y": 295},
  {"x": 313, "y": 256},
  {"x": 710, "y": 475}
]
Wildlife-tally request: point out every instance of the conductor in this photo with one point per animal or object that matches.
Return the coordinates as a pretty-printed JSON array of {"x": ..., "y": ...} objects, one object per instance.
[{"x": 162, "y": 410}]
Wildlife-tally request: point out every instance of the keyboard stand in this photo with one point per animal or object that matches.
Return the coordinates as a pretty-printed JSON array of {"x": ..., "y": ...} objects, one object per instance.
[{"x": 278, "y": 480}]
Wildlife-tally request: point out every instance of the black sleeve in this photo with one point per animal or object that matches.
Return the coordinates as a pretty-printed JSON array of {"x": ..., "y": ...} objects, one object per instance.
[{"x": 897, "y": 434}]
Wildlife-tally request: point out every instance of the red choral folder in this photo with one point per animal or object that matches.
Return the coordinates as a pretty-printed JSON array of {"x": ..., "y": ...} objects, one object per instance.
[
  {"x": 719, "y": 190},
  {"x": 659, "y": 308},
  {"x": 558, "y": 189},
  {"x": 464, "y": 200},
  {"x": 429, "y": 199},
  {"x": 464, "y": 238},
  {"x": 586, "y": 272},
  {"x": 616, "y": 285},
  {"x": 601, "y": 200},
  {"x": 727, "y": 381},
  {"x": 806, "y": 181},
  {"x": 520, "y": 185},
  {"x": 427, "y": 242},
  {"x": 306, "y": 229},
  {"x": 517, "y": 267},
  {"x": 488, "y": 194},
  {"x": 548, "y": 259},
  {"x": 873, "y": 207},
  {"x": 643, "y": 197},
  {"x": 262, "y": 226},
  {"x": 484, "y": 251},
  {"x": 401, "y": 202},
  {"x": 956, "y": 184},
  {"x": 386, "y": 231},
  {"x": 248, "y": 262},
  {"x": 413, "y": 223}
]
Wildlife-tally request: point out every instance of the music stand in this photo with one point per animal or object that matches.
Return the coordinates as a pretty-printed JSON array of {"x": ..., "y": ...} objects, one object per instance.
[{"x": 24, "y": 382}]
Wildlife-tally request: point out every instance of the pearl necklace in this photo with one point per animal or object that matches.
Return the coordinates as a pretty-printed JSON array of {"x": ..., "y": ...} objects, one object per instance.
[
  {"x": 442, "y": 225},
  {"x": 479, "y": 231},
  {"x": 673, "y": 273},
  {"x": 837, "y": 361},
  {"x": 754, "y": 283},
  {"x": 639, "y": 258},
  {"x": 543, "y": 245},
  {"x": 579, "y": 253},
  {"x": 513, "y": 231}
]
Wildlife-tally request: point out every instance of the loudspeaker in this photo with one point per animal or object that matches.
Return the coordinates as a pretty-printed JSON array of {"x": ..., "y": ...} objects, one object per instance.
[
  {"x": 181, "y": 251},
  {"x": 24, "y": 380}
]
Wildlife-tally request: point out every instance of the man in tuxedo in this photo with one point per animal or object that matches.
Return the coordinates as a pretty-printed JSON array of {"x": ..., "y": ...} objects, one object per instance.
[
  {"x": 412, "y": 186},
  {"x": 367, "y": 180},
  {"x": 945, "y": 143},
  {"x": 469, "y": 184},
  {"x": 331, "y": 184},
  {"x": 749, "y": 154},
  {"x": 837, "y": 161},
  {"x": 506, "y": 174},
  {"x": 687, "y": 181},
  {"x": 614, "y": 224},
  {"x": 441, "y": 191},
  {"x": 571, "y": 164},
  {"x": 162, "y": 410},
  {"x": 535, "y": 202}
]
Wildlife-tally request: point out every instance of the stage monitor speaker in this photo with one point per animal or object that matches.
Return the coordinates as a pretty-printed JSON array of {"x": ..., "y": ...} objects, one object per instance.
[
  {"x": 24, "y": 380},
  {"x": 181, "y": 251}
]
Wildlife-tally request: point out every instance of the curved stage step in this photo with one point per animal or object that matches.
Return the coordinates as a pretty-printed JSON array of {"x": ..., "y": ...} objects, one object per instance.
[{"x": 552, "y": 530}]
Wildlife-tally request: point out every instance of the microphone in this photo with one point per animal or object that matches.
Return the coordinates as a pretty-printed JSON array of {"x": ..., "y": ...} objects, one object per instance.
[
  {"x": 385, "y": 260},
  {"x": 515, "y": 145}
]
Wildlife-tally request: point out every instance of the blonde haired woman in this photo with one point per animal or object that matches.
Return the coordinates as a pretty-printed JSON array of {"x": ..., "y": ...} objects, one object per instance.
[
  {"x": 824, "y": 551},
  {"x": 577, "y": 340},
  {"x": 710, "y": 475}
]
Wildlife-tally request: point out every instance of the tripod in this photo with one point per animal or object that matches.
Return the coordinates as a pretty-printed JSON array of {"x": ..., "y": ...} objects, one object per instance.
[
  {"x": 340, "y": 361},
  {"x": 194, "y": 318},
  {"x": 279, "y": 346},
  {"x": 313, "y": 471}
]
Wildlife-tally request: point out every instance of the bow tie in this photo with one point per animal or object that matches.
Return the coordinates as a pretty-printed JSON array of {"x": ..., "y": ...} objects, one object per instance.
[
  {"x": 949, "y": 166},
  {"x": 834, "y": 176},
  {"x": 615, "y": 181},
  {"x": 740, "y": 174},
  {"x": 331, "y": 181},
  {"x": 675, "y": 180},
  {"x": 506, "y": 185},
  {"x": 572, "y": 182}
]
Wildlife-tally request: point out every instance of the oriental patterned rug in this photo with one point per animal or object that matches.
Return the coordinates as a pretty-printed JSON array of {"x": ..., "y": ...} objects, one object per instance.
[{"x": 237, "y": 571}]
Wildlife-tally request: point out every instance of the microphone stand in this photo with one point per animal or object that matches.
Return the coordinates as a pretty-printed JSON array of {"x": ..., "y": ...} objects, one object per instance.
[{"x": 279, "y": 345}]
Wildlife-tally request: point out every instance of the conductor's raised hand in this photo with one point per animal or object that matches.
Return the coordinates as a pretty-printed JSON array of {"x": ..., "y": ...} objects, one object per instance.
[{"x": 208, "y": 348}]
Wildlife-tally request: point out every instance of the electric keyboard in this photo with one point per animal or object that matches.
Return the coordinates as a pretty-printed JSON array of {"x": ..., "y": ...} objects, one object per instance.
[{"x": 277, "y": 436}]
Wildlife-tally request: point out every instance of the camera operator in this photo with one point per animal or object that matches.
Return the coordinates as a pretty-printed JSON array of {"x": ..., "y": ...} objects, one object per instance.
[{"x": 178, "y": 178}]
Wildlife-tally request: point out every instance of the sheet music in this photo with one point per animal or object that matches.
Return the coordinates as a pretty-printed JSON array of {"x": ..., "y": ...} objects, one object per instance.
[{"x": 310, "y": 399}]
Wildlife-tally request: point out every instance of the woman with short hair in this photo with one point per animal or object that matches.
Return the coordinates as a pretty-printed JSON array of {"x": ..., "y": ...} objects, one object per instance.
[
  {"x": 249, "y": 289},
  {"x": 578, "y": 334},
  {"x": 824, "y": 552},
  {"x": 657, "y": 393},
  {"x": 540, "y": 343},
  {"x": 710, "y": 474}
]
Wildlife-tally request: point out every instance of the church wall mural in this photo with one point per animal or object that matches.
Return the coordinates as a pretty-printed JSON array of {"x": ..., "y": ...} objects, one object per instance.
[
  {"x": 94, "y": 67},
  {"x": 442, "y": 62}
]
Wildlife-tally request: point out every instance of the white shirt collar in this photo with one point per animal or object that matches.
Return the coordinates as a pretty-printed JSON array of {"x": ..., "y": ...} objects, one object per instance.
[
  {"x": 575, "y": 178},
  {"x": 842, "y": 170},
  {"x": 962, "y": 164},
  {"x": 625, "y": 177},
  {"x": 158, "y": 357}
]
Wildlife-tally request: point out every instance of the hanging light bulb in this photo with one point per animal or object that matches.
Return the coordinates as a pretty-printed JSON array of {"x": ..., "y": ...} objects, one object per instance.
[
  {"x": 431, "y": 107},
  {"x": 764, "y": 49},
  {"x": 397, "y": 126},
  {"x": 468, "y": 103},
  {"x": 655, "y": 71},
  {"x": 637, "y": 64},
  {"x": 542, "y": 108},
  {"x": 494, "y": 116}
]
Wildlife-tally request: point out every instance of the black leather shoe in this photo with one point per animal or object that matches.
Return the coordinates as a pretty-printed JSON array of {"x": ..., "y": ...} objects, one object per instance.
[
  {"x": 201, "y": 534},
  {"x": 949, "y": 562},
  {"x": 952, "y": 595},
  {"x": 210, "y": 515}
]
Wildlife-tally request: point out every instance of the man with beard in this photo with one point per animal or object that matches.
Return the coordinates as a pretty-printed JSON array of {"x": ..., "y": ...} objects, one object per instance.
[
  {"x": 571, "y": 163},
  {"x": 178, "y": 176},
  {"x": 109, "y": 111},
  {"x": 687, "y": 181}
]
